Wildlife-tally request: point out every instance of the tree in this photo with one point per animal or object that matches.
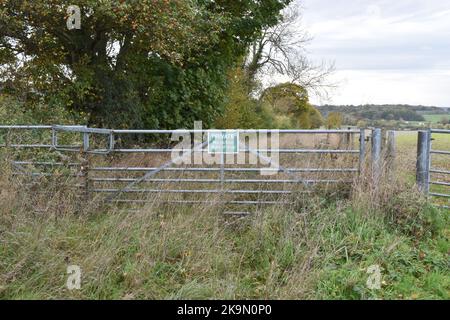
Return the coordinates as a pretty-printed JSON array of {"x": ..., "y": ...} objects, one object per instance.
[
  {"x": 241, "y": 111},
  {"x": 152, "y": 63},
  {"x": 334, "y": 120},
  {"x": 292, "y": 101},
  {"x": 444, "y": 120},
  {"x": 280, "y": 50}
]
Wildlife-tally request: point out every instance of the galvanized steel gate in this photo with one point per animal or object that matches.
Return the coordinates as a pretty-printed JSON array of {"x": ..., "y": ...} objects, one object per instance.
[
  {"x": 433, "y": 173},
  {"x": 104, "y": 163}
]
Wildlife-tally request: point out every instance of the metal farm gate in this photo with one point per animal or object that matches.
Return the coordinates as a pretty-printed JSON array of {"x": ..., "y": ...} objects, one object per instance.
[
  {"x": 132, "y": 167},
  {"x": 433, "y": 166}
]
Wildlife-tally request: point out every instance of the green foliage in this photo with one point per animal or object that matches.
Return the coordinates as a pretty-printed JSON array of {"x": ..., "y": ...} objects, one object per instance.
[
  {"x": 283, "y": 106},
  {"x": 290, "y": 104},
  {"x": 14, "y": 112},
  {"x": 334, "y": 120},
  {"x": 133, "y": 63},
  {"x": 241, "y": 110}
]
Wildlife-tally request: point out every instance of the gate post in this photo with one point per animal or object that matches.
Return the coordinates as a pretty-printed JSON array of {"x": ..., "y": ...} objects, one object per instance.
[
  {"x": 376, "y": 155},
  {"x": 391, "y": 149},
  {"x": 423, "y": 161}
]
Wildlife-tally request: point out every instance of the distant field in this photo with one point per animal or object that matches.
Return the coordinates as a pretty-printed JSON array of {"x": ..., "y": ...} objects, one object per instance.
[
  {"x": 435, "y": 118},
  {"x": 408, "y": 139},
  {"x": 407, "y": 145}
]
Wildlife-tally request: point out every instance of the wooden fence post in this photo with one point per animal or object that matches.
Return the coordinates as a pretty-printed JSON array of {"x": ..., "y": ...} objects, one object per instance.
[
  {"x": 391, "y": 149},
  {"x": 423, "y": 167}
]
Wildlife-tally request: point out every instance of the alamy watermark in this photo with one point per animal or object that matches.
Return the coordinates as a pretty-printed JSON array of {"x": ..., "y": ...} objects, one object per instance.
[
  {"x": 74, "y": 17},
  {"x": 374, "y": 279},
  {"x": 74, "y": 278}
]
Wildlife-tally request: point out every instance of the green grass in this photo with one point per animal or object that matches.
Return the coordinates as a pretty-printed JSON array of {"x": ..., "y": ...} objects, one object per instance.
[
  {"x": 407, "y": 144},
  {"x": 319, "y": 248},
  {"x": 435, "y": 118},
  {"x": 408, "y": 139},
  {"x": 308, "y": 251}
]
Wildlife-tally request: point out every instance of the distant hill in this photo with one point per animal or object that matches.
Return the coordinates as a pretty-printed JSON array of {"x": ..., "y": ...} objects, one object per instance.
[{"x": 370, "y": 113}]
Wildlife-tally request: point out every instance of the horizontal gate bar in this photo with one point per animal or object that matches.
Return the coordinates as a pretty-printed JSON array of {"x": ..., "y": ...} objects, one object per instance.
[
  {"x": 37, "y": 163},
  {"x": 226, "y": 169},
  {"x": 237, "y": 213},
  {"x": 125, "y": 131},
  {"x": 202, "y": 202},
  {"x": 440, "y": 171},
  {"x": 47, "y": 146},
  {"x": 302, "y": 151},
  {"x": 440, "y": 152},
  {"x": 437, "y": 183},
  {"x": 34, "y": 127},
  {"x": 82, "y": 130},
  {"x": 243, "y": 131},
  {"x": 44, "y": 174},
  {"x": 440, "y": 195},
  {"x": 313, "y": 151},
  {"x": 50, "y": 192},
  {"x": 216, "y": 180},
  {"x": 439, "y": 131},
  {"x": 192, "y": 191}
]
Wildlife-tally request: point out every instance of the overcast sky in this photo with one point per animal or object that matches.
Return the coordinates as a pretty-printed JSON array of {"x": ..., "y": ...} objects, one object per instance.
[{"x": 385, "y": 51}]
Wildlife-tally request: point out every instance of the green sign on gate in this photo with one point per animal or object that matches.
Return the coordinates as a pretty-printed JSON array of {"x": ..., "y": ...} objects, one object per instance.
[{"x": 223, "y": 142}]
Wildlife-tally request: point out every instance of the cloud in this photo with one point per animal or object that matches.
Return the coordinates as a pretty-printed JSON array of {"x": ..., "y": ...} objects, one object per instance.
[
  {"x": 420, "y": 87},
  {"x": 384, "y": 44}
]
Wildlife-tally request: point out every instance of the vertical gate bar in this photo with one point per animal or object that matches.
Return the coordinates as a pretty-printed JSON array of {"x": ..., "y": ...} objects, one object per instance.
[
  {"x": 85, "y": 166},
  {"x": 54, "y": 138},
  {"x": 111, "y": 141},
  {"x": 85, "y": 142},
  {"x": 7, "y": 149},
  {"x": 352, "y": 141},
  {"x": 376, "y": 155},
  {"x": 7, "y": 137},
  {"x": 222, "y": 169},
  {"x": 346, "y": 141},
  {"x": 422, "y": 167},
  {"x": 362, "y": 150},
  {"x": 429, "y": 159}
]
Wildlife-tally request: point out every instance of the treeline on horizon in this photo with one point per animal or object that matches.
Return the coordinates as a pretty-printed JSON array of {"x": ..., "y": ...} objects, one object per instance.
[{"x": 371, "y": 113}]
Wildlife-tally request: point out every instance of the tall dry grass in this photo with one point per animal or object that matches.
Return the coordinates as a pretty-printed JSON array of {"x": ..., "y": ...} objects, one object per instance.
[{"x": 319, "y": 246}]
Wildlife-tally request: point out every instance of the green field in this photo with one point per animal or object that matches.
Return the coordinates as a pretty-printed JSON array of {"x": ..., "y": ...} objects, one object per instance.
[
  {"x": 435, "y": 118},
  {"x": 408, "y": 140},
  {"x": 407, "y": 146}
]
